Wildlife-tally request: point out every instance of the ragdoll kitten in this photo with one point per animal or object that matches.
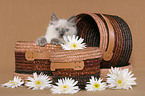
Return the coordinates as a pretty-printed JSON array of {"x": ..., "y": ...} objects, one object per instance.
[{"x": 57, "y": 29}]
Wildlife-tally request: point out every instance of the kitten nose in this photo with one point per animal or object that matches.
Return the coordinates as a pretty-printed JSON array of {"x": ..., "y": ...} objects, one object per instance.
[{"x": 61, "y": 33}]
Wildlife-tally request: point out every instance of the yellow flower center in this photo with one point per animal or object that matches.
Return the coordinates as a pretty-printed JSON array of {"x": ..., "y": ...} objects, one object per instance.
[
  {"x": 12, "y": 82},
  {"x": 64, "y": 86},
  {"x": 119, "y": 81},
  {"x": 38, "y": 82},
  {"x": 96, "y": 85},
  {"x": 74, "y": 45}
]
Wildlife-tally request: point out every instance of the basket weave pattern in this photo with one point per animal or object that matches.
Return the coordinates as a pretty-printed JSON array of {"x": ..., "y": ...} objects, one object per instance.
[
  {"x": 94, "y": 29},
  {"x": 75, "y": 55},
  {"x": 90, "y": 26},
  {"x": 91, "y": 57},
  {"x": 39, "y": 65}
]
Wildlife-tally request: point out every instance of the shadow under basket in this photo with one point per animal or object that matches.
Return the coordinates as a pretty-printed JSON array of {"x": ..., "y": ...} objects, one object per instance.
[{"x": 108, "y": 32}]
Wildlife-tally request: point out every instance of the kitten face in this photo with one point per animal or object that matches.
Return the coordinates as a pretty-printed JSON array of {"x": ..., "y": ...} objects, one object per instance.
[
  {"x": 63, "y": 28},
  {"x": 60, "y": 27}
]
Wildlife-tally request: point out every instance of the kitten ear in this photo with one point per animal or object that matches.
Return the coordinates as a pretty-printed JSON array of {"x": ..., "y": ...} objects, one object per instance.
[
  {"x": 54, "y": 18},
  {"x": 72, "y": 19}
]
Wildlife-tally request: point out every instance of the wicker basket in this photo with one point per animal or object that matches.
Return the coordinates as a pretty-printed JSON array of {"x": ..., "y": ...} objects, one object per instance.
[
  {"x": 110, "y": 33},
  {"x": 30, "y": 58},
  {"x": 86, "y": 61}
]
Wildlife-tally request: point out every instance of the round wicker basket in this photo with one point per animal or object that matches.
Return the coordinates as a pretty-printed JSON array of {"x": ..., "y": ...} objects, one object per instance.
[{"x": 110, "y": 33}]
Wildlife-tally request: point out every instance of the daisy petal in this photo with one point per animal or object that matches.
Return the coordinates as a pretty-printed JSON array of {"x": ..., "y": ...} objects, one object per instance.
[
  {"x": 16, "y": 82},
  {"x": 65, "y": 86},
  {"x": 120, "y": 79},
  {"x": 38, "y": 82},
  {"x": 73, "y": 43},
  {"x": 95, "y": 84}
]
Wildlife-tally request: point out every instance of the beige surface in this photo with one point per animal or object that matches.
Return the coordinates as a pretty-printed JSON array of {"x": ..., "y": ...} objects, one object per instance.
[{"x": 28, "y": 19}]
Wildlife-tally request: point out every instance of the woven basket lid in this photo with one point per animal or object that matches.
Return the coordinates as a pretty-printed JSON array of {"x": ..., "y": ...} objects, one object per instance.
[
  {"x": 94, "y": 29},
  {"x": 75, "y": 55},
  {"x": 23, "y": 46}
]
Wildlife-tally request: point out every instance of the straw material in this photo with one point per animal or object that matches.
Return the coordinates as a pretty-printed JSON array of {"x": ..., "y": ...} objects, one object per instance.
[
  {"x": 127, "y": 42},
  {"x": 103, "y": 73},
  {"x": 75, "y": 55},
  {"x": 94, "y": 28},
  {"x": 91, "y": 56},
  {"x": 87, "y": 29},
  {"x": 38, "y": 65},
  {"x": 90, "y": 67},
  {"x": 117, "y": 48},
  {"x": 23, "y": 46}
]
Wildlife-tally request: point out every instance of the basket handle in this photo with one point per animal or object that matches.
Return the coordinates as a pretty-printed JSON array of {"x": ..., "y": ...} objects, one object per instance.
[
  {"x": 67, "y": 65},
  {"x": 109, "y": 52},
  {"x": 32, "y": 55}
]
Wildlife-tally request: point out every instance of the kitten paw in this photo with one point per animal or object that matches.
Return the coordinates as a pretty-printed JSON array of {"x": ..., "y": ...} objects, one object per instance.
[
  {"x": 41, "y": 41},
  {"x": 55, "y": 41}
]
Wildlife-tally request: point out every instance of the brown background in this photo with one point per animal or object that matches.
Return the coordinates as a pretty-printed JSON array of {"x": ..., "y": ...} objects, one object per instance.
[{"x": 28, "y": 19}]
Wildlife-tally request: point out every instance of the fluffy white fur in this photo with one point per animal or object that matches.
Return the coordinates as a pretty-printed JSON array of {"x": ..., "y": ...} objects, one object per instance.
[{"x": 61, "y": 23}]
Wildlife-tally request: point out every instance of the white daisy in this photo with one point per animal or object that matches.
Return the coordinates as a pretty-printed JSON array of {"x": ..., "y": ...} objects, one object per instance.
[
  {"x": 114, "y": 71},
  {"x": 65, "y": 86},
  {"x": 38, "y": 82},
  {"x": 120, "y": 79},
  {"x": 16, "y": 82},
  {"x": 73, "y": 43},
  {"x": 95, "y": 84}
]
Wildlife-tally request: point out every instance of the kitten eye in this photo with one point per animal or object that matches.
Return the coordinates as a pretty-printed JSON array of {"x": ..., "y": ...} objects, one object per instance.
[
  {"x": 66, "y": 30},
  {"x": 57, "y": 29}
]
